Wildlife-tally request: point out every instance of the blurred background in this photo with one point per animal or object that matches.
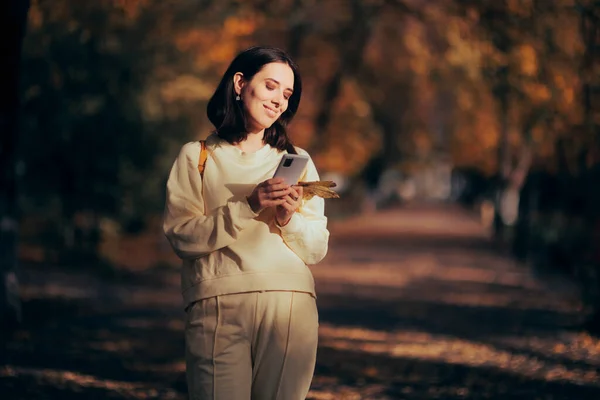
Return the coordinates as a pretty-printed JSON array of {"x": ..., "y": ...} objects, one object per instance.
[{"x": 487, "y": 108}]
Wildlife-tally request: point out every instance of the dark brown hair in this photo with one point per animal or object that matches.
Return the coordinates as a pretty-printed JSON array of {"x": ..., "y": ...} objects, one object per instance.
[{"x": 227, "y": 114}]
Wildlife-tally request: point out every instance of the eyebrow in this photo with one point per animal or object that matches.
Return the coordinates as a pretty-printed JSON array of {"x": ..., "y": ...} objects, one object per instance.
[{"x": 277, "y": 82}]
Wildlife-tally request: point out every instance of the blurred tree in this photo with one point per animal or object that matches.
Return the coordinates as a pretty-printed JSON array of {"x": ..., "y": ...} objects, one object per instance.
[
  {"x": 345, "y": 58},
  {"x": 114, "y": 87},
  {"x": 529, "y": 49},
  {"x": 589, "y": 25},
  {"x": 13, "y": 16},
  {"x": 589, "y": 12},
  {"x": 91, "y": 152}
]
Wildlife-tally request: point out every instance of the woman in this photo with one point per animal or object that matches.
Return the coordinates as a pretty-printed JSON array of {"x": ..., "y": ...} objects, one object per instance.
[{"x": 246, "y": 239}]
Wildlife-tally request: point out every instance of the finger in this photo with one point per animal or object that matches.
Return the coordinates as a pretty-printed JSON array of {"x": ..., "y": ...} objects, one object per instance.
[
  {"x": 276, "y": 202},
  {"x": 279, "y": 193},
  {"x": 274, "y": 181},
  {"x": 297, "y": 192},
  {"x": 291, "y": 204},
  {"x": 293, "y": 193},
  {"x": 288, "y": 207},
  {"x": 272, "y": 195},
  {"x": 280, "y": 186},
  {"x": 300, "y": 192}
]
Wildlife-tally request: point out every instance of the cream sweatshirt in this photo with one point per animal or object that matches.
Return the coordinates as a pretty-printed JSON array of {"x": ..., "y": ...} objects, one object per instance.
[{"x": 225, "y": 246}]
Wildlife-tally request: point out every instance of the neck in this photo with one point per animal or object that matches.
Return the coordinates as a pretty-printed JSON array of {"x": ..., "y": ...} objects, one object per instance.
[{"x": 253, "y": 142}]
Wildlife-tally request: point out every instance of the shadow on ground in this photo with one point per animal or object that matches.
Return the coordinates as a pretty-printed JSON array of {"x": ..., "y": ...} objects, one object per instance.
[
  {"x": 73, "y": 349},
  {"x": 414, "y": 379},
  {"x": 434, "y": 334}
]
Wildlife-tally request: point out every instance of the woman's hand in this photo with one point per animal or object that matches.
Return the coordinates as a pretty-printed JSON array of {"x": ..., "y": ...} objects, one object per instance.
[
  {"x": 270, "y": 193},
  {"x": 293, "y": 201}
]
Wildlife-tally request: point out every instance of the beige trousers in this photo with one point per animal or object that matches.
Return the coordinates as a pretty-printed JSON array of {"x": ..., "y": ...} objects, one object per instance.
[{"x": 258, "y": 345}]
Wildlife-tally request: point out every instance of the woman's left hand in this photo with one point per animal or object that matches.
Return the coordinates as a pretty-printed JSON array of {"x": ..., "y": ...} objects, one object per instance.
[{"x": 284, "y": 212}]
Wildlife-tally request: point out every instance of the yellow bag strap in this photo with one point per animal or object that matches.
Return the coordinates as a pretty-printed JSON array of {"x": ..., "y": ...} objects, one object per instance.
[{"x": 203, "y": 157}]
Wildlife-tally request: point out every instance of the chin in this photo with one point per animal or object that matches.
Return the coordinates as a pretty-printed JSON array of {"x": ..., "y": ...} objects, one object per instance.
[
  {"x": 267, "y": 124},
  {"x": 263, "y": 123}
]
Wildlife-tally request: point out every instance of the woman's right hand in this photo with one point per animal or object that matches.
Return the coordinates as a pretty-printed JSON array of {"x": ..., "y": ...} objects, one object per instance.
[{"x": 270, "y": 193}]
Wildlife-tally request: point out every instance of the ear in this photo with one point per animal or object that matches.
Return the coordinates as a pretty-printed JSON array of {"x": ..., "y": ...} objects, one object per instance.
[{"x": 238, "y": 82}]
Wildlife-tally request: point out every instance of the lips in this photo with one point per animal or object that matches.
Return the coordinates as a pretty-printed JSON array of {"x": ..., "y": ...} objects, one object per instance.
[{"x": 271, "y": 112}]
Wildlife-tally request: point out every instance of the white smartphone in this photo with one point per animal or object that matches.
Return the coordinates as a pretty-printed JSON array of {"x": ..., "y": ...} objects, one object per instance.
[{"x": 291, "y": 168}]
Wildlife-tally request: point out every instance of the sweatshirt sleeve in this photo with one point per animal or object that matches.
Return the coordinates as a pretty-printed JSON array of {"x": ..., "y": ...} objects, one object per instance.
[
  {"x": 193, "y": 234},
  {"x": 306, "y": 233}
]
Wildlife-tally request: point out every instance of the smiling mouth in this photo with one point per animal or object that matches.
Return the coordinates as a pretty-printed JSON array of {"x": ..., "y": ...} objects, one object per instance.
[{"x": 271, "y": 112}]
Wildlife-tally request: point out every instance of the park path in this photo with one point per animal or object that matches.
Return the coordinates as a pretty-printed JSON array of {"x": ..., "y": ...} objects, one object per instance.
[{"x": 414, "y": 304}]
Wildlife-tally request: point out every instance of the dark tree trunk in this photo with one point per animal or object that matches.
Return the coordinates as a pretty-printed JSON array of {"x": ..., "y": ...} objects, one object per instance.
[
  {"x": 13, "y": 15},
  {"x": 299, "y": 27},
  {"x": 504, "y": 156},
  {"x": 589, "y": 30}
]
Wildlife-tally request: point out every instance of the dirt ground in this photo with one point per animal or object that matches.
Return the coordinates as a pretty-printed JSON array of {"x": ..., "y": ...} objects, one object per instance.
[{"x": 414, "y": 304}]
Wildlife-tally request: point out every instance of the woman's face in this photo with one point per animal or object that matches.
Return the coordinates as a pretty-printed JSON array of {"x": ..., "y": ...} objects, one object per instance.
[{"x": 266, "y": 95}]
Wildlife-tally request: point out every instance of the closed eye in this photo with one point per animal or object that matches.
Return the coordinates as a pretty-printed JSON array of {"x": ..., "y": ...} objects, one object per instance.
[{"x": 271, "y": 88}]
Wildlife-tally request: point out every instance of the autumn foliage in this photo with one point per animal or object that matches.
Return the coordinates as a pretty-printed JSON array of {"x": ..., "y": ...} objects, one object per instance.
[{"x": 111, "y": 89}]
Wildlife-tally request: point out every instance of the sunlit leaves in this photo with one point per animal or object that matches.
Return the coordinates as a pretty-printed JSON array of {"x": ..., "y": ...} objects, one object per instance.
[
  {"x": 428, "y": 79},
  {"x": 352, "y": 136},
  {"x": 525, "y": 60},
  {"x": 463, "y": 48},
  {"x": 531, "y": 53},
  {"x": 186, "y": 88},
  {"x": 537, "y": 93}
]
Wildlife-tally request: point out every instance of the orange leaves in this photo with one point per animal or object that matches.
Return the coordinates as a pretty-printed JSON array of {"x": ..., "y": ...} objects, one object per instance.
[
  {"x": 208, "y": 45},
  {"x": 464, "y": 49},
  {"x": 242, "y": 25},
  {"x": 525, "y": 60},
  {"x": 351, "y": 137},
  {"x": 186, "y": 87},
  {"x": 223, "y": 53},
  {"x": 431, "y": 71},
  {"x": 415, "y": 41},
  {"x": 538, "y": 93},
  {"x": 567, "y": 38},
  {"x": 217, "y": 44},
  {"x": 565, "y": 84}
]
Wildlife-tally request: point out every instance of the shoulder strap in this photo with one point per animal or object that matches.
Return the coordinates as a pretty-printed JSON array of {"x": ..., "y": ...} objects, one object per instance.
[{"x": 203, "y": 157}]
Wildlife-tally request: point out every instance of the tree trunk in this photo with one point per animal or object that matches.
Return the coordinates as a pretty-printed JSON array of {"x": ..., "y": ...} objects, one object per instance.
[
  {"x": 13, "y": 15},
  {"x": 299, "y": 27},
  {"x": 589, "y": 26},
  {"x": 504, "y": 156}
]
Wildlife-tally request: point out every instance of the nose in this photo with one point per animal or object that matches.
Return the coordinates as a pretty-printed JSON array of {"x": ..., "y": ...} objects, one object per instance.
[{"x": 277, "y": 99}]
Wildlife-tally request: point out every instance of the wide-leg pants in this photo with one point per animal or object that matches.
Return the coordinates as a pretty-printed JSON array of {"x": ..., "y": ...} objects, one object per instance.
[{"x": 256, "y": 345}]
